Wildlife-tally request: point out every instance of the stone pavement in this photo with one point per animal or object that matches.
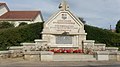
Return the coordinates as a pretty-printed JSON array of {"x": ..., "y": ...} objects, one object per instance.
[{"x": 21, "y": 63}]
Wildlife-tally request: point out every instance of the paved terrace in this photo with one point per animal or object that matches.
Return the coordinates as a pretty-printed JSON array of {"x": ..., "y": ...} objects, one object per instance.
[{"x": 22, "y": 63}]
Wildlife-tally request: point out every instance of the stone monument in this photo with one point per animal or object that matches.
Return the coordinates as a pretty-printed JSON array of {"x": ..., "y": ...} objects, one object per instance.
[{"x": 64, "y": 31}]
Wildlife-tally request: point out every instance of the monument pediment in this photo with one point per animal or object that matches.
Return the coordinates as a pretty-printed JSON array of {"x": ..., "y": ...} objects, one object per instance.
[{"x": 64, "y": 21}]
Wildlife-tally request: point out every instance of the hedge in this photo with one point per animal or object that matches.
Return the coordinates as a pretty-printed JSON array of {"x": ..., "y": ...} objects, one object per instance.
[
  {"x": 27, "y": 33},
  {"x": 102, "y": 35},
  {"x": 15, "y": 36}
]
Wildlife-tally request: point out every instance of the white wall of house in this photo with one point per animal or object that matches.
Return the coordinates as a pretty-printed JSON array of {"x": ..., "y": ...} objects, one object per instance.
[
  {"x": 3, "y": 10},
  {"x": 38, "y": 18},
  {"x": 16, "y": 23}
]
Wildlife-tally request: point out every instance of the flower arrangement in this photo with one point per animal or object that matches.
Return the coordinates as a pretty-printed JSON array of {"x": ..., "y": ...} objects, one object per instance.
[{"x": 60, "y": 50}]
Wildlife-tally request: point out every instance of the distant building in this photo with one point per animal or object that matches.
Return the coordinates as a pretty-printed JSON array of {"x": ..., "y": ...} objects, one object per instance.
[{"x": 17, "y": 17}]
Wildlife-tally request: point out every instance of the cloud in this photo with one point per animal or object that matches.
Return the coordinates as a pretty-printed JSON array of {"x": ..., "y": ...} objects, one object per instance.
[{"x": 101, "y": 13}]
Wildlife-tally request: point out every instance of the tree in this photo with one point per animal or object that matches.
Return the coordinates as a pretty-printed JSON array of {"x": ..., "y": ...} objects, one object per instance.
[
  {"x": 5, "y": 24},
  {"x": 118, "y": 27},
  {"x": 82, "y": 20},
  {"x": 23, "y": 23}
]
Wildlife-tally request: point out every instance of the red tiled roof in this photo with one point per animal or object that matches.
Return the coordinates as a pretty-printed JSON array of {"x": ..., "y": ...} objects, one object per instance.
[
  {"x": 1, "y": 4},
  {"x": 20, "y": 15}
]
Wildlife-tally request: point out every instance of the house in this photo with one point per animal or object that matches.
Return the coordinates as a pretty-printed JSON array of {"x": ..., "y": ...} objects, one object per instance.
[{"x": 17, "y": 17}]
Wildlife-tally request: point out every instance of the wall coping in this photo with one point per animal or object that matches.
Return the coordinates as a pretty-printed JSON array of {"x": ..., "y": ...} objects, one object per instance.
[
  {"x": 4, "y": 52},
  {"x": 16, "y": 48},
  {"x": 40, "y": 40},
  {"x": 114, "y": 48},
  {"x": 102, "y": 52},
  {"x": 87, "y": 41},
  {"x": 28, "y": 44},
  {"x": 39, "y": 53}
]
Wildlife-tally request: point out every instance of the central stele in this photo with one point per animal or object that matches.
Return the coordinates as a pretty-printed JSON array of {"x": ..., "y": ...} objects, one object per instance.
[{"x": 63, "y": 29}]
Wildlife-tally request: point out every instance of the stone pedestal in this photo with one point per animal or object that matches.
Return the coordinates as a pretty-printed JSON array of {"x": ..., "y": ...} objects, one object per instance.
[{"x": 102, "y": 56}]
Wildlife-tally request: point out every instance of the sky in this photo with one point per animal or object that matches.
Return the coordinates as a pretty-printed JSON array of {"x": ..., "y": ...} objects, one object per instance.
[{"x": 99, "y": 13}]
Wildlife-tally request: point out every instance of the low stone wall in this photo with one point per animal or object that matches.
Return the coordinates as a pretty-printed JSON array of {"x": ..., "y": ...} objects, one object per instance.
[
  {"x": 16, "y": 51},
  {"x": 118, "y": 56},
  {"x": 38, "y": 56},
  {"x": 32, "y": 56},
  {"x": 4, "y": 54},
  {"x": 113, "y": 56}
]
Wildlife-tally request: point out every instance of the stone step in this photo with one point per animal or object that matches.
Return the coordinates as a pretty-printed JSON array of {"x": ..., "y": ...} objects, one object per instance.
[{"x": 73, "y": 57}]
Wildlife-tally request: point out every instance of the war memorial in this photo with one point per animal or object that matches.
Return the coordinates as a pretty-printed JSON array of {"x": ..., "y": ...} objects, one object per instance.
[{"x": 63, "y": 39}]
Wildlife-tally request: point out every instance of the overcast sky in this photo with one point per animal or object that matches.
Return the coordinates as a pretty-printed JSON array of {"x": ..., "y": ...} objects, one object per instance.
[{"x": 100, "y": 13}]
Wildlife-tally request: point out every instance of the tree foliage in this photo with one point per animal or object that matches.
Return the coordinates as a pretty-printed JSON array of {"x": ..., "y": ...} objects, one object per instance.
[
  {"x": 118, "y": 27},
  {"x": 82, "y": 20}
]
